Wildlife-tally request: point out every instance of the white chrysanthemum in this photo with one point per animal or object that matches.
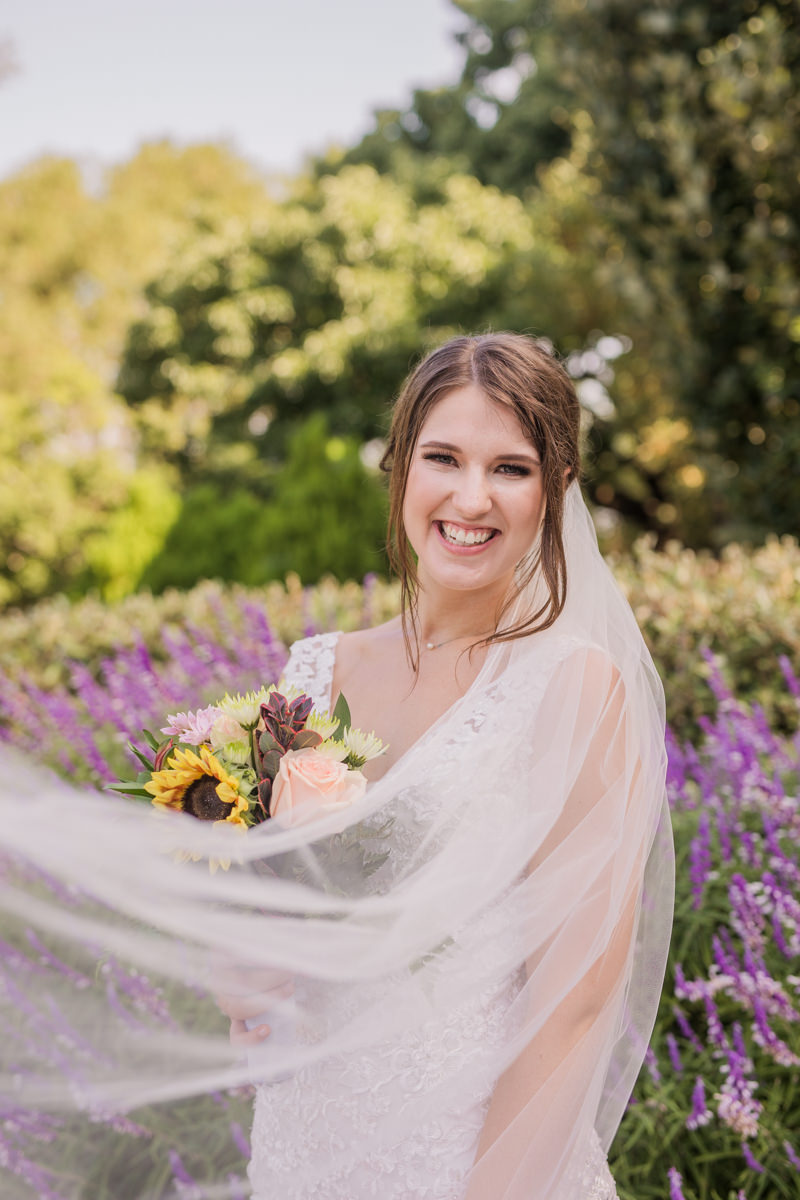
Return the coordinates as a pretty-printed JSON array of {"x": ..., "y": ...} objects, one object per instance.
[
  {"x": 322, "y": 723},
  {"x": 237, "y": 753},
  {"x": 362, "y": 745},
  {"x": 332, "y": 749},
  {"x": 244, "y": 709}
]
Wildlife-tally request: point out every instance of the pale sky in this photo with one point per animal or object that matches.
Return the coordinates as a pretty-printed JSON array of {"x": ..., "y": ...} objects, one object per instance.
[{"x": 276, "y": 79}]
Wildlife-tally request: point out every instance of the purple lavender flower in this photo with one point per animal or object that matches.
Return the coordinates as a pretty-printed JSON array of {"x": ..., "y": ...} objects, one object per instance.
[
  {"x": 747, "y": 917},
  {"x": 792, "y": 681},
  {"x": 792, "y": 1155},
  {"x": 674, "y": 1054},
  {"x": 186, "y": 1186},
  {"x": 737, "y": 1105},
  {"x": 686, "y": 1030},
  {"x": 240, "y": 1139},
  {"x": 651, "y": 1062},
  {"x": 675, "y": 1184},
  {"x": 700, "y": 859},
  {"x": 751, "y": 1160},
  {"x": 700, "y": 1114}
]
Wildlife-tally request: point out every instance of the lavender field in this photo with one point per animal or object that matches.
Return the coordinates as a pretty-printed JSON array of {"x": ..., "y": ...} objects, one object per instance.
[{"x": 716, "y": 1112}]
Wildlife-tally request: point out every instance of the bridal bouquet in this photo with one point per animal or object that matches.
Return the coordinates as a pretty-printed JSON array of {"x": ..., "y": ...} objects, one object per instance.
[
  {"x": 248, "y": 759},
  {"x": 267, "y": 755}
]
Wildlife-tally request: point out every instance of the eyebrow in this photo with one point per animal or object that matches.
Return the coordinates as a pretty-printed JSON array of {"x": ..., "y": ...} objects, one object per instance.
[{"x": 522, "y": 458}]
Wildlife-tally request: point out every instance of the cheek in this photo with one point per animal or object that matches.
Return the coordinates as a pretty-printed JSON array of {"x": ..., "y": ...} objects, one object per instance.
[
  {"x": 531, "y": 513},
  {"x": 419, "y": 496}
]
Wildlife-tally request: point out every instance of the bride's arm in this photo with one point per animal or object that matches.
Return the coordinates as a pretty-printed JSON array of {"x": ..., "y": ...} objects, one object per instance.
[{"x": 582, "y": 1024}]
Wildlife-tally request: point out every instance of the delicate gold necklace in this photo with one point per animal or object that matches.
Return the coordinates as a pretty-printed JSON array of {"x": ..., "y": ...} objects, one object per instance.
[{"x": 436, "y": 645}]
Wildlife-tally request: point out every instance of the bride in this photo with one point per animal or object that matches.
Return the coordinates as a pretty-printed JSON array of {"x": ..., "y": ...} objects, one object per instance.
[
  {"x": 471, "y": 1025},
  {"x": 453, "y": 979}
]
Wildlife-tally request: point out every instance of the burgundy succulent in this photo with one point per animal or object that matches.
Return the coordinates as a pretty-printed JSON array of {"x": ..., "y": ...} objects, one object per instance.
[{"x": 284, "y": 729}]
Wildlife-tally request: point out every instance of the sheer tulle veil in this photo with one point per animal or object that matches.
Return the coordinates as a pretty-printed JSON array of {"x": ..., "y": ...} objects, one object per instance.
[{"x": 539, "y": 861}]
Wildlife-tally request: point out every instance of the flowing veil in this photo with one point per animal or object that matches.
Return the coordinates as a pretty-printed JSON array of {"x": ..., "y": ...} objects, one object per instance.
[{"x": 521, "y": 847}]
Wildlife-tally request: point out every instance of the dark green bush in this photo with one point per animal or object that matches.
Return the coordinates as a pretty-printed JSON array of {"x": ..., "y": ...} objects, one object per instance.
[{"x": 316, "y": 499}]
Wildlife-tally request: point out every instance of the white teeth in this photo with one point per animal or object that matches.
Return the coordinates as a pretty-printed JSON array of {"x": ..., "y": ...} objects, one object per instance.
[{"x": 465, "y": 537}]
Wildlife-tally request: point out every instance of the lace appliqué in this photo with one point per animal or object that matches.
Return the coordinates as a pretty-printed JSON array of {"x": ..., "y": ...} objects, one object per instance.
[
  {"x": 597, "y": 1178},
  {"x": 310, "y": 666}
]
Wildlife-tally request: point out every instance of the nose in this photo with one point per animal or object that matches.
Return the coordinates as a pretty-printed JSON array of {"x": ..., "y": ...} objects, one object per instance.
[{"x": 472, "y": 495}]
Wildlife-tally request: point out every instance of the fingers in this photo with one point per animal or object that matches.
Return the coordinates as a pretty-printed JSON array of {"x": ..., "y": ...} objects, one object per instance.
[
  {"x": 242, "y": 1037},
  {"x": 241, "y": 1007}
]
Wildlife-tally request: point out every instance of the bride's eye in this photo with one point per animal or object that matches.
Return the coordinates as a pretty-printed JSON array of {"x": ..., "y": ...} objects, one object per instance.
[
  {"x": 513, "y": 469},
  {"x": 438, "y": 456}
]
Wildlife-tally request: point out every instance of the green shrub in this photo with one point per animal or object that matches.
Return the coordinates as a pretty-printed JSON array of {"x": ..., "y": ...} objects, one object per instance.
[
  {"x": 325, "y": 513},
  {"x": 743, "y": 606}
]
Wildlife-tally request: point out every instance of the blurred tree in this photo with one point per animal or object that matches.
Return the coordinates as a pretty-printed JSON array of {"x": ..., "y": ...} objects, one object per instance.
[
  {"x": 325, "y": 304},
  {"x": 504, "y": 117},
  {"x": 684, "y": 114},
  {"x": 326, "y": 514},
  {"x": 78, "y": 505},
  {"x": 73, "y": 513},
  {"x": 694, "y": 110}
]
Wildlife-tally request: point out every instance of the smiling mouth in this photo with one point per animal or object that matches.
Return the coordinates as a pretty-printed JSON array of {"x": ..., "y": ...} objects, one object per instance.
[{"x": 464, "y": 537}]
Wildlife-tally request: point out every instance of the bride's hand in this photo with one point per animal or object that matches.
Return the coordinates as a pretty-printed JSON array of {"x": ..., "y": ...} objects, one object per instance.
[
  {"x": 242, "y": 1037},
  {"x": 241, "y": 1005}
]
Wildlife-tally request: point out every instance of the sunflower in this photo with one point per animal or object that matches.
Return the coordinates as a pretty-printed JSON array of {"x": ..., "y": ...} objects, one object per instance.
[{"x": 198, "y": 784}]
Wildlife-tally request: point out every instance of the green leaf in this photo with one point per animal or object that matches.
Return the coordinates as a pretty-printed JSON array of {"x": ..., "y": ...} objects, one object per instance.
[
  {"x": 146, "y": 762},
  {"x": 270, "y": 763},
  {"x": 268, "y": 743},
  {"x": 341, "y": 712},
  {"x": 153, "y": 742},
  {"x": 305, "y": 738},
  {"x": 129, "y": 789}
]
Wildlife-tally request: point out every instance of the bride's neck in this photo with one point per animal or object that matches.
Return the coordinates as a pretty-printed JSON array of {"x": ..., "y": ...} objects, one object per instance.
[{"x": 450, "y": 615}]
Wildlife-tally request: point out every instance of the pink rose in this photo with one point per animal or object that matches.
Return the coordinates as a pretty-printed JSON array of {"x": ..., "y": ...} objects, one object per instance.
[{"x": 309, "y": 784}]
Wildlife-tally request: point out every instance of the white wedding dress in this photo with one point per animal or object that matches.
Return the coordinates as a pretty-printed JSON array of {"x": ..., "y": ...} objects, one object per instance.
[{"x": 303, "y": 1125}]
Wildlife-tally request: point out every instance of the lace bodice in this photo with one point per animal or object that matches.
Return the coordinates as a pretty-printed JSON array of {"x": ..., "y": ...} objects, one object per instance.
[{"x": 413, "y": 1085}]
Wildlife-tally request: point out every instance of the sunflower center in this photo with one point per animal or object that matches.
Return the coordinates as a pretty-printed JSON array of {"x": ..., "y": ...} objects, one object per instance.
[{"x": 201, "y": 800}]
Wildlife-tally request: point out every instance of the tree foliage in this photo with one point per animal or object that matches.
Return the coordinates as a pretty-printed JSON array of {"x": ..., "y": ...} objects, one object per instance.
[
  {"x": 683, "y": 115},
  {"x": 79, "y": 505},
  {"x": 504, "y": 117},
  {"x": 695, "y": 112},
  {"x": 323, "y": 303}
]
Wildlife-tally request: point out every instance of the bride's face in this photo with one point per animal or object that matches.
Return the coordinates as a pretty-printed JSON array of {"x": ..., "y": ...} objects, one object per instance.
[{"x": 474, "y": 496}]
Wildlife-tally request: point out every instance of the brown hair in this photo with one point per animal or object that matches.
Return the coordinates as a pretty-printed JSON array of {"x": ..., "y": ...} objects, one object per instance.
[{"x": 522, "y": 375}]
